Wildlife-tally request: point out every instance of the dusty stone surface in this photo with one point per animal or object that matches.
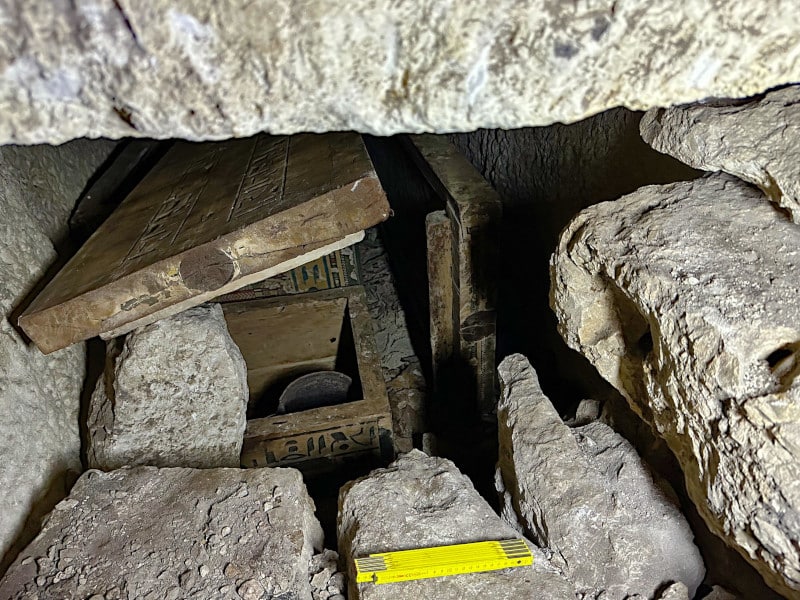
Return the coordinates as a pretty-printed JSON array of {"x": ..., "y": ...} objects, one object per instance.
[
  {"x": 204, "y": 69},
  {"x": 327, "y": 582},
  {"x": 756, "y": 141},
  {"x": 682, "y": 306},
  {"x": 677, "y": 591},
  {"x": 175, "y": 395},
  {"x": 421, "y": 501},
  {"x": 188, "y": 533},
  {"x": 585, "y": 495},
  {"x": 39, "y": 395}
]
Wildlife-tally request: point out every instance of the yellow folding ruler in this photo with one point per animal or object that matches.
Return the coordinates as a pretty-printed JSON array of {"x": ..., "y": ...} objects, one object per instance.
[{"x": 423, "y": 563}]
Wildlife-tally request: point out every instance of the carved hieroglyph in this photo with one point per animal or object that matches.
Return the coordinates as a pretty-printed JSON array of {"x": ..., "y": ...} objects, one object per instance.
[{"x": 210, "y": 218}]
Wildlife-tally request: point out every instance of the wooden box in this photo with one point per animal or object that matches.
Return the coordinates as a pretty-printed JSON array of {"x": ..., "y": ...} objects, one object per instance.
[{"x": 283, "y": 338}]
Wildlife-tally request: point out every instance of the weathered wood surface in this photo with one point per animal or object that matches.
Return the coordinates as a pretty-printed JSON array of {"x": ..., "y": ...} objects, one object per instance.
[
  {"x": 279, "y": 338},
  {"x": 474, "y": 210},
  {"x": 210, "y": 218},
  {"x": 324, "y": 435},
  {"x": 440, "y": 290}
]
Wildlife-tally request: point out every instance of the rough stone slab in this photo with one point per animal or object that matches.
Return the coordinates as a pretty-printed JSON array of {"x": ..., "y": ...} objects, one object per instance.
[
  {"x": 680, "y": 295},
  {"x": 175, "y": 395},
  {"x": 586, "y": 496},
  {"x": 149, "y": 533},
  {"x": 39, "y": 396},
  {"x": 421, "y": 501},
  {"x": 209, "y": 219},
  {"x": 202, "y": 69},
  {"x": 756, "y": 141}
]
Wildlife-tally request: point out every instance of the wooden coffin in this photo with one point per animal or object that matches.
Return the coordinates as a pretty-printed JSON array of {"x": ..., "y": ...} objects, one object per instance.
[
  {"x": 209, "y": 219},
  {"x": 284, "y": 338}
]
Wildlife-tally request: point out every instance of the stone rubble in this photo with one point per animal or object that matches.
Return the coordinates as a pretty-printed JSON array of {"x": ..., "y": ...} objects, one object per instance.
[
  {"x": 754, "y": 140},
  {"x": 680, "y": 296},
  {"x": 39, "y": 395},
  {"x": 175, "y": 395},
  {"x": 327, "y": 582},
  {"x": 421, "y": 501},
  {"x": 211, "y": 69},
  {"x": 155, "y": 534},
  {"x": 585, "y": 496}
]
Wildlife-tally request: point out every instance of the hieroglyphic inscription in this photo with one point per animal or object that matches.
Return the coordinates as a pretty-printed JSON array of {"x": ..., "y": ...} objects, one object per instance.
[
  {"x": 354, "y": 438},
  {"x": 161, "y": 231},
  {"x": 262, "y": 187}
]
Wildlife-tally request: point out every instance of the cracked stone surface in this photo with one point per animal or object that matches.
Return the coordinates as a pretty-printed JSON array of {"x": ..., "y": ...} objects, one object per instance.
[
  {"x": 155, "y": 534},
  {"x": 39, "y": 395},
  {"x": 678, "y": 294},
  {"x": 174, "y": 395},
  {"x": 214, "y": 69},
  {"x": 585, "y": 496},
  {"x": 756, "y": 141},
  {"x": 421, "y": 501}
]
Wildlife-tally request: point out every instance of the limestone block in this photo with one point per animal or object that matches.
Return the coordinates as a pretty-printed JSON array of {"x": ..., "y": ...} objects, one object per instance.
[
  {"x": 208, "y": 69},
  {"x": 586, "y": 496},
  {"x": 753, "y": 140},
  {"x": 421, "y": 501},
  {"x": 39, "y": 396},
  {"x": 681, "y": 297},
  {"x": 174, "y": 396},
  {"x": 152, "y": 533}
]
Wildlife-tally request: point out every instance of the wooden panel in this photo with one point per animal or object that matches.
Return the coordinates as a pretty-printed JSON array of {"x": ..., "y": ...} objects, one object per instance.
[
  {"x": 440, "y": 291},
  {"x": 209, "y": 219},
  {"x": 343, "y": 431},
  {"x": 474, "y": 210},
  {"x": 279, "y": 339}
]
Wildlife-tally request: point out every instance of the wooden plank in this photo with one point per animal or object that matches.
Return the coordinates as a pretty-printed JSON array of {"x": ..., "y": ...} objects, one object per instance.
[
  {"x": 440, "y": 291},
  {"x": 279, "y": 339},
  {"x": 474, "y": 210},
  {"x": 207, "y": 220},
  {"x": 341, "y": 432}
]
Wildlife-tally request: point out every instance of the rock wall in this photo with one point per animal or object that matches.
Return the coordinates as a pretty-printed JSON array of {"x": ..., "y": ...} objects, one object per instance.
[
  {"x": 205, "y": 69},
  {"x": 678, "y": 295},
  {"x": 39, "y": 395}
]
